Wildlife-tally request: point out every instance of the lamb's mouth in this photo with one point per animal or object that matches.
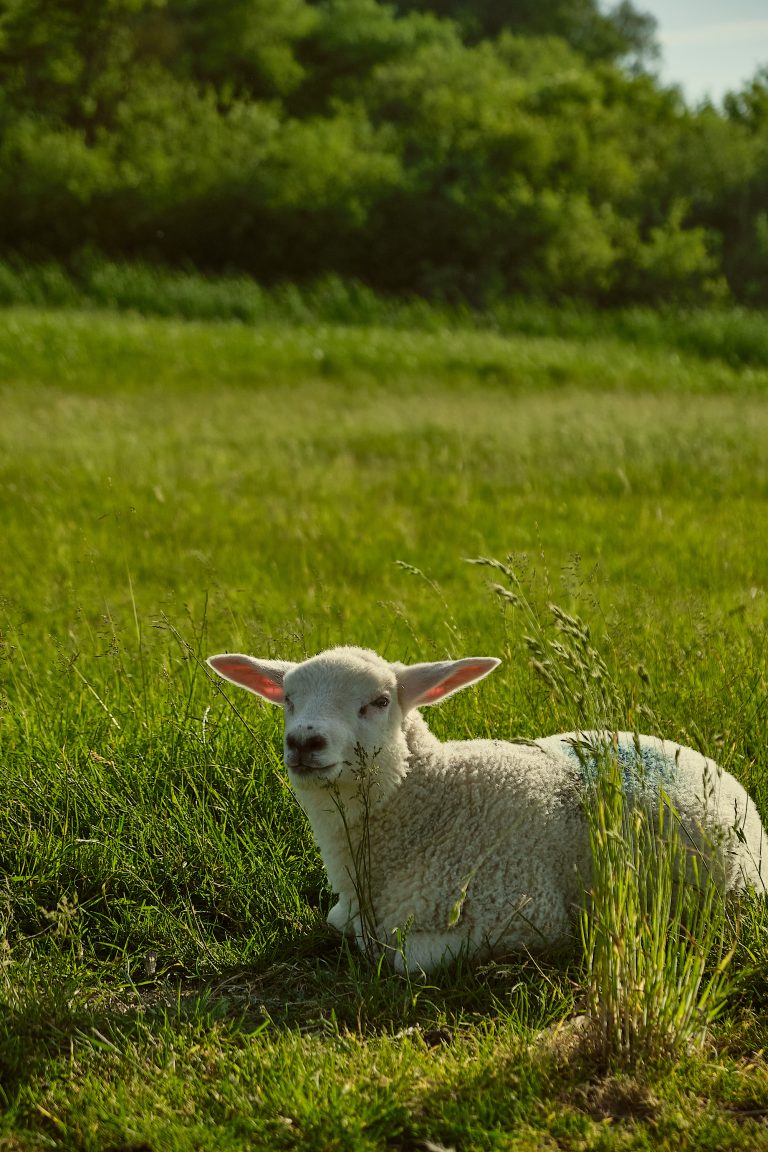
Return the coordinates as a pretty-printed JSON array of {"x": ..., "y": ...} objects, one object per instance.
[{"x": 307, "y": 770}]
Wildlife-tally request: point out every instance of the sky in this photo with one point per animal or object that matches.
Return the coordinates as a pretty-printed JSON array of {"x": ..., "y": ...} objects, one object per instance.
[{"x": 709, "y": 46}]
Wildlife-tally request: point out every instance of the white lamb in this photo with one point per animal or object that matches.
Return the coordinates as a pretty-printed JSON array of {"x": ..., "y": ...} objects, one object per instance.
[{"x": 478, "y": 847}]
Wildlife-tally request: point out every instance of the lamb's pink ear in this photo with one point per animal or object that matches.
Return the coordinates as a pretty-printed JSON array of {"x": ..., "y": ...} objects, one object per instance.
[
  {"x": 264, "y": 677},
  {"x": 428, "y": 683}
]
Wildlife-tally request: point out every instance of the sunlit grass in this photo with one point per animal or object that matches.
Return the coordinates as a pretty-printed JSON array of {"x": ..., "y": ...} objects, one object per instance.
[{"x": 171, "y": 489}]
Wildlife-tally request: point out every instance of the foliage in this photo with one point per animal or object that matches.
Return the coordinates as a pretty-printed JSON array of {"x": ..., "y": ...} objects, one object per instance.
[
  {"x": 290, "y": 139},
  {"x": 621, "y": 32}
]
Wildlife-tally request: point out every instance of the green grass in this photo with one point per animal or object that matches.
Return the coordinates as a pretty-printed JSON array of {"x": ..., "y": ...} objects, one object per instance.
[
  {"x": 171, "y": 488},
  {"x": 737, "y": 336}
]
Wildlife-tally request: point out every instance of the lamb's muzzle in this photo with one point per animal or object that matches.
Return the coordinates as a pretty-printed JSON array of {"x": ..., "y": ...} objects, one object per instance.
[
  {"x": 306, "y": 753},
  {"x": 474, "y": 846}
]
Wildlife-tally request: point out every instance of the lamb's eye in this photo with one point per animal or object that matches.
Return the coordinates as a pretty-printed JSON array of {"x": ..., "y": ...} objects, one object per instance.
[
  {"x": 288, "y": 704},
  {"x": 380, "y": 702}
]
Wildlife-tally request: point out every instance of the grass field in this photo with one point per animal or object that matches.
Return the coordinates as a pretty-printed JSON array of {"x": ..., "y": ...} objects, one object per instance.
[{"x": 171, "y": 488}]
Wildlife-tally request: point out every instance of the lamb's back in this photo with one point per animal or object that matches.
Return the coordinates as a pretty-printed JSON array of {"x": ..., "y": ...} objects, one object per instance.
[
  {"x": 478, "y": 829},
  {"x": 713, "y": 809},
  {"x": 492, "y": 836}
]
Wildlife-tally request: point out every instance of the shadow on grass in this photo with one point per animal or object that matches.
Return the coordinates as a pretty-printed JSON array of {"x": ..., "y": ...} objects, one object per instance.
[
  {"x": 325, "y": 986},
  {"x": 321, "y": 987}
]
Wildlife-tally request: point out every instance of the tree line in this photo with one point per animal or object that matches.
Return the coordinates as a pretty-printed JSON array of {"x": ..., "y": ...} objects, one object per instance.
[{"x": 461, "y": 150}]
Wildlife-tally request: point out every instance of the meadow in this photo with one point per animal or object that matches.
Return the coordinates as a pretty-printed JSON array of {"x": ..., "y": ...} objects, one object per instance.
[{"x": 307, "y": 475}]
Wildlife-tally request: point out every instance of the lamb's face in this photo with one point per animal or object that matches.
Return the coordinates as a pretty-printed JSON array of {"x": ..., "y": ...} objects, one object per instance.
[
  {"x": 344, "y": 709},
  {"x": 340, "y": 711}
]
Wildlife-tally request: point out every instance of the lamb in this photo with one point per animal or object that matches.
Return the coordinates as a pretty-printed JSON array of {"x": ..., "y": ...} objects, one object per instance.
[{"x": 476, "y": 847}]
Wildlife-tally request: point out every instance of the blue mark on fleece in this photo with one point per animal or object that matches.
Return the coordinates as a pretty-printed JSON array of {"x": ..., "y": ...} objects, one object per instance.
[{"x": 646, "y": 765}]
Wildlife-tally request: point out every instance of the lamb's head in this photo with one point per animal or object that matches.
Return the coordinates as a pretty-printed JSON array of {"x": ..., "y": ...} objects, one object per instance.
[{"x": 344, "y": 709}]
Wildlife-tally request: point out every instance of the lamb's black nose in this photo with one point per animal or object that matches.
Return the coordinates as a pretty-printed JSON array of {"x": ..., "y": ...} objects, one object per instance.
[{"x": 305, "y": 745}]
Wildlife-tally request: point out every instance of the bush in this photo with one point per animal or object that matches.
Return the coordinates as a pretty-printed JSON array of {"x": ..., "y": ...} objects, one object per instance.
[{"x": 297, "y": 140}]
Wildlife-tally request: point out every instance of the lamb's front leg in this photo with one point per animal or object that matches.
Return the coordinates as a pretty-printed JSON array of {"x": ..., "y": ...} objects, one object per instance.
[
  {"x": 344, "y": 917},
  {"x": 406, "y": 952}
]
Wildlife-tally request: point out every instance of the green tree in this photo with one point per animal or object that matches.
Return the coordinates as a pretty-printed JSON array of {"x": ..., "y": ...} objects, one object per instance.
[
  {"x": 351, "y": 38},
  {"x": 623, "y": 32},
  {"x": 76, "y": 62},
  {"x": 294, "y": 139},
  {"x": 67, "y": 61},
  {"x": 245, "y": 46}
]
